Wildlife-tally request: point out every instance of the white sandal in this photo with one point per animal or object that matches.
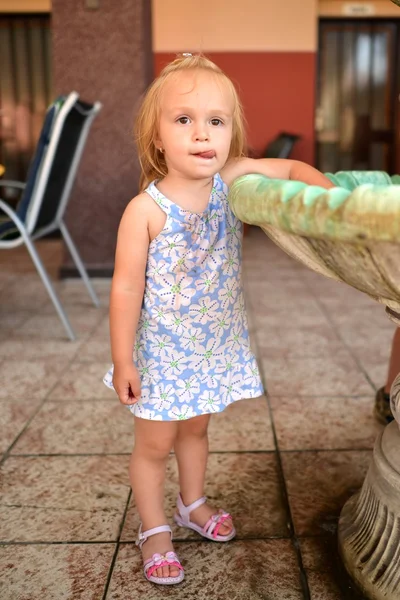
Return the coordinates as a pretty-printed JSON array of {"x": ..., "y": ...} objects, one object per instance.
[
  {"x": 211, "y": 528},
  {"x": 168, "y": 559}
]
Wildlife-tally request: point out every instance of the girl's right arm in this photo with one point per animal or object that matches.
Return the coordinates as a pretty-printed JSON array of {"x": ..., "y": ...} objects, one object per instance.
[{"x": 126, "y": 297}]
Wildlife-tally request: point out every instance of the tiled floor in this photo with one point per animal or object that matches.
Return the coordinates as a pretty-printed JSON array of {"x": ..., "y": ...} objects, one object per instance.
[{"x": 283, "y": 464}]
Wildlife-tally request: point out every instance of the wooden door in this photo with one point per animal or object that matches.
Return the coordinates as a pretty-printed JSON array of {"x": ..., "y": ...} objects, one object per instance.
[{"x": 357, "y": 116}]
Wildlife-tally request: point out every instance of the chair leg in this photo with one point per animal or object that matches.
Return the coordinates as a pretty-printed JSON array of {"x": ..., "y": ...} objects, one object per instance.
[
  {"x": 79, "y": 264},
  {"x": 50, "y": 289}
]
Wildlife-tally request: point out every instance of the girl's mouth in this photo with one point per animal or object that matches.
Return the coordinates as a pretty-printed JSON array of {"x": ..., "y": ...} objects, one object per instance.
[{"x": 207, "y": 155}]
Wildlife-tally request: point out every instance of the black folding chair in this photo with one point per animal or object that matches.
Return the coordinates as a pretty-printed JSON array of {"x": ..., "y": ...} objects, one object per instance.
[
  {"x": 281, "y": 146},
  {"x": 47, "y": 190}
]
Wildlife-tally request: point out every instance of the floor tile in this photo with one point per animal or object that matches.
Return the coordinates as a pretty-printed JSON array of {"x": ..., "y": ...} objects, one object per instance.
[
  {"x": 83, "y": 381},
  {"x": 63, "y": 498},
  {"x": 244, "y": 570},
  {"x": 374, "y": 360},
  {"x": 326, "y": 576},
  {"x": 14, "y": 414},
  {"x": 102, "y": 331},
  {"x": 30, "y": 380},
  {"x": 246, "y": 485},
  {"x": 324, "y": 422},
  {"x": 55, "y": 572},
  {"x": 243, "y": 426},
  {"x": 95, "y": 350},
  {"x": 33, "y": 349},
  {"x": 57, "y": 429},
  {"x": 283, "y": 314},
  {"x": 361, "y": 335},
  {"x": 297, "y": 341},
  {"x": 319, "y": 484},
  {"x": 11, "y": 318},
  {"x": 49, "y": 326},
  {"x": 336, "y": 374},
  {"x": 34, "y": 294}
]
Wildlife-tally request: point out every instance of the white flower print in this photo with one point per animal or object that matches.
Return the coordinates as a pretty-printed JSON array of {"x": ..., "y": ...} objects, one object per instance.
[
  {"x": 145, "y": 413},
  {"x": 188, "y": 388},
  {"x": 137, "y": 350},
  {"x": 213, "y": 252},
  {"x": 173, "y": 246},
  {"x": 239, "y": 308},
  {"x": 227, "y": 295},
  {"x": 148, "y": 369},
  {"x": 221, "y": 324},
  {"x": 209, "y": 380},
  {"x": 232, "y": 387},
  {"x": 231, "y": 265},
  {"x": 180, "y": 413},
  {"x": 184, "y": 263},
  {"x": 209, "y": 402},
  {"x": 208, "y": 281},
  {"x": 228, "y": 364},
  {"x": 161, "y": 344},
  {"x": 196, "y": 223},
  {"x": 251, "y": 372},
  {"x": 192, "y": 338},
  {"x": 156, "y": 266},
  {"x": 149, "y": 298},
  {"x": 205, "y": 357},
  {"x": 147, "y": 326},
  {"x": 173, "y": 364},
  {"x": 179, "y": 322},
  {"x": 214, "y": 218},
  {"x": 235, "y": 339},
  {"x": 162, "y": 396},
  {"x": 161, "y": 313},
  {"x": 234, "y": 229},
  {"x": 176, "y": 290},
  {"x": 204, "y": 311}
]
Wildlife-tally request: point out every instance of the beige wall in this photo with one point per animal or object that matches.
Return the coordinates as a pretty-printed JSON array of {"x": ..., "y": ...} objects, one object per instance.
[
  {"x": 25, "y": 6},
  {"x": 378, "y": 8},
  {"x": 234, "y": 25}
]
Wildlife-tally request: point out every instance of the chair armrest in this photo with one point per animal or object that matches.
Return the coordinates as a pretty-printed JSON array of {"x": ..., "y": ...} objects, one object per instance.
[
  {"x": 9, "y": 212},
  {"x": 11, "y": 183}
]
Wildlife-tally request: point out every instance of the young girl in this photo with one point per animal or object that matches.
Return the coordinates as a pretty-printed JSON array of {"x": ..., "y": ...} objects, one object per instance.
[{"x": 179, "y": 338}]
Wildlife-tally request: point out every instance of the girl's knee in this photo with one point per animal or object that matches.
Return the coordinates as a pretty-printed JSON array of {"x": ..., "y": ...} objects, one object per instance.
[
  {"x": 155, "y": 439},
  {"x": 197, "y": 426}
]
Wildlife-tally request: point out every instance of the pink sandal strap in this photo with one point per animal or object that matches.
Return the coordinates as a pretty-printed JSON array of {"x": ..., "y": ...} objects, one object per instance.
[
  {"x": 214, "y": 523},
  {"x": 157, "y": 561}
]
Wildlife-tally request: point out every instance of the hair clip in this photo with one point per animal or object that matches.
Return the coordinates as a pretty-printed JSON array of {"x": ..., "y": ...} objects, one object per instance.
[{"x": 187, "y": 54}]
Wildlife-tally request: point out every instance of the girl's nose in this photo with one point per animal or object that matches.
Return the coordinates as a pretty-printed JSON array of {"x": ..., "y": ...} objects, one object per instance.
[{"x": 201, "y": 134}]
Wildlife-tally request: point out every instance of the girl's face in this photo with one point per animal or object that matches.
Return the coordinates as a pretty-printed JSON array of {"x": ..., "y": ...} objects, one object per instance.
[{"x": 195, "y": 128}]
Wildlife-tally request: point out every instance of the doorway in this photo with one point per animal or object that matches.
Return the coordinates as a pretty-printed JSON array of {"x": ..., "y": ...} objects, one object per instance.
[{"x": 357, "y": 115}]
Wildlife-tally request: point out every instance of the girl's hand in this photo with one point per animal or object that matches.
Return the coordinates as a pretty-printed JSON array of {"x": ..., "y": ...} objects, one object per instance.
[{"x": 126, "y": 382}]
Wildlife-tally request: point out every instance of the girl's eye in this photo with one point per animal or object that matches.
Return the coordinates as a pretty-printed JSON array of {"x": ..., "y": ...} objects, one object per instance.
[
  {"x": 183, "y": 120},
  {"x": 216, "y": 122}
]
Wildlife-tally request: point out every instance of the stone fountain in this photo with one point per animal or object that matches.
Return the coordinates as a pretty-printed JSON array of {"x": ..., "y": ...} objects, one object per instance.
[{"x": 350, "y": 233}]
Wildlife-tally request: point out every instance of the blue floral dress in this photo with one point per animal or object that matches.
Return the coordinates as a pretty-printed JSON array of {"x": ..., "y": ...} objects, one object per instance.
[{"x": 192, "y": 343}]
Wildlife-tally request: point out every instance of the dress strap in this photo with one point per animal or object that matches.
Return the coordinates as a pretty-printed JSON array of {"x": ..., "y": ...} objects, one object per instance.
[{"x": 159, "y": 198}]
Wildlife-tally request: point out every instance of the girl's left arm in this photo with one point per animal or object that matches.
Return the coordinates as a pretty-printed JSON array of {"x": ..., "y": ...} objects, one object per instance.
[{"x": 275, "y": 168}]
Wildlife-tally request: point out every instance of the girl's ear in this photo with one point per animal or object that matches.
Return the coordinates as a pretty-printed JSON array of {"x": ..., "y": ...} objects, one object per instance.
[{"x": 157, "y": 142}]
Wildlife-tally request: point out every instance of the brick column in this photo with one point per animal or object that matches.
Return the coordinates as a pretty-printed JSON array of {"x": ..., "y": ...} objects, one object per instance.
[{"x": 104, "y": 54}]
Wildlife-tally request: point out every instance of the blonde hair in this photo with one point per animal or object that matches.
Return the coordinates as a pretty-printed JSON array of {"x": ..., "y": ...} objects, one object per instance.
[{"x": 152, "y": 161}]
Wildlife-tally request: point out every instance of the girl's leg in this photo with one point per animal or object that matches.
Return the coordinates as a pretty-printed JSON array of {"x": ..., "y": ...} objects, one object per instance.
[
  {"x": 153, "y": 443},
  {"x": 191, "y": 449}
]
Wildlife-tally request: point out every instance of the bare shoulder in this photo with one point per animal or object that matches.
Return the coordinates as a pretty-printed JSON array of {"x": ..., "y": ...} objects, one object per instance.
[{"x": 139, "y": 204}]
